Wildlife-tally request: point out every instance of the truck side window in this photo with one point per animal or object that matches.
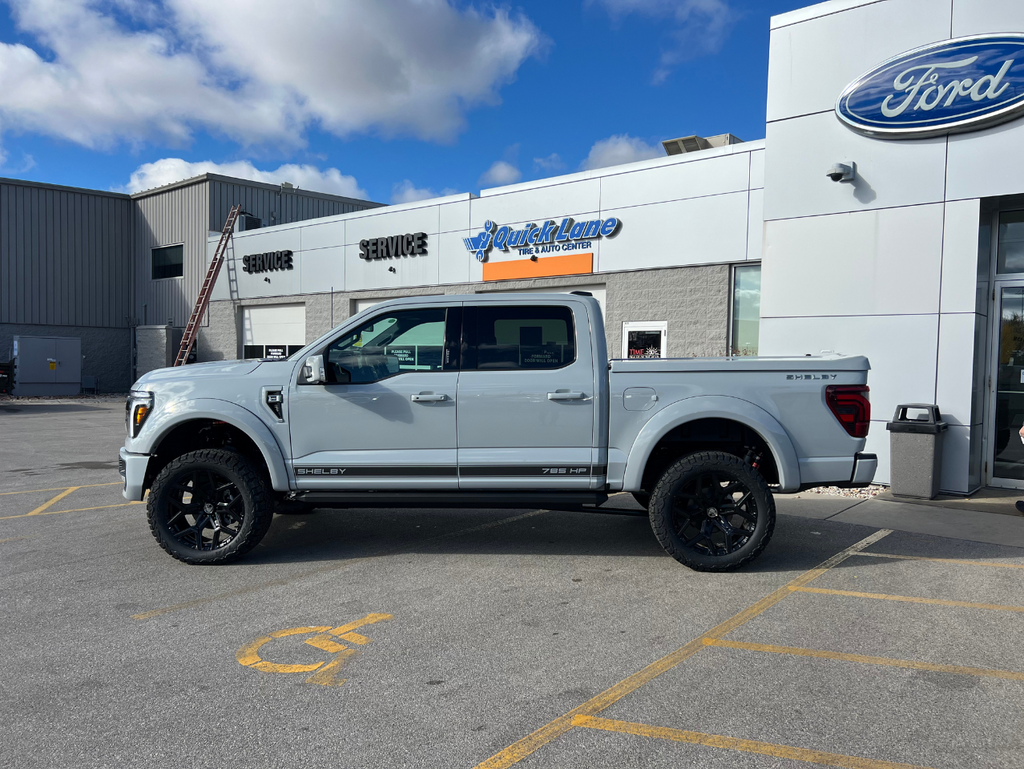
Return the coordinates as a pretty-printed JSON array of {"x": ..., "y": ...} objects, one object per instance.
[
  {"x": 507, "y": 338},
  {"x": 387, "y": 345}
]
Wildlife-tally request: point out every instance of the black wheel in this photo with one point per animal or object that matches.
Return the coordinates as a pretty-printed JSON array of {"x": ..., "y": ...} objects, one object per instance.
[
  {"x": 642, "y": 498},
  {"x": 712, "y": 511},
  {"x": 209, "y": 506}
]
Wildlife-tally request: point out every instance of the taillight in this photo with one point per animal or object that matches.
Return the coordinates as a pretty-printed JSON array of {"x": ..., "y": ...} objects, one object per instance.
[{"x": 851, "y": 406}]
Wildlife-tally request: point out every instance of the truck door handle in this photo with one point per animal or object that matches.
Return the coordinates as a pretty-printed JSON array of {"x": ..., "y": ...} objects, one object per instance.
[
  {"x": 564, "y": 395},
  {"x": 429, "y": 397}
]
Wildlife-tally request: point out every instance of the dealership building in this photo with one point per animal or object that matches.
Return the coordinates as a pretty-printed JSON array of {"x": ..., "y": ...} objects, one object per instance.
[{"x": 882, "y": 215}]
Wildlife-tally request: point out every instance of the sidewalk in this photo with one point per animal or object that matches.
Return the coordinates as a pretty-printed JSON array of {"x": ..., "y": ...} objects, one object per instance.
[{"x": 941, "y": 518}]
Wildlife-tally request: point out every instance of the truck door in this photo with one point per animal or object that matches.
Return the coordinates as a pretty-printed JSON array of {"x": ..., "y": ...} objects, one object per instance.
[
  {"x": 526, "y": 398},
  {"x": 386, "y": 417}
]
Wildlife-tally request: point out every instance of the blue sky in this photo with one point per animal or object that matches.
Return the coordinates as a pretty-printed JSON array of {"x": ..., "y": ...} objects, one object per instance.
[{"x": 395, "y": 99}]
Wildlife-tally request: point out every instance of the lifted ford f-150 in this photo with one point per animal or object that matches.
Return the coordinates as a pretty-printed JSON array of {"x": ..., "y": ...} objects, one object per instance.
[{"x": 490, "y": 401}]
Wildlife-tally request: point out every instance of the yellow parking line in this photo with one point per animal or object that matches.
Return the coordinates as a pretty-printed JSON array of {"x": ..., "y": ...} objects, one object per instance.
[
  {"x": 943, "y": 560},
  {"x": 556, "y": 728},
  {"x": 732, "y": 743},
  {"x": 933, "y": 667},
  {"x": 53, "y": 501},
  {"x": 61, "y": 488},
  {"x": 76, "y": 510},
  {"x": 912, "y": 599}
]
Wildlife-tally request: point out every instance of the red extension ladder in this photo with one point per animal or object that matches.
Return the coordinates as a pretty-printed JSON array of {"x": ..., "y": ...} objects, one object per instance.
[{"x": 192, "y": 329}]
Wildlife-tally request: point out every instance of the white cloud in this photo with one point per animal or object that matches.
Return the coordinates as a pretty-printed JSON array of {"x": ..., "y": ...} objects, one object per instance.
[
  {"x": 99, "y": 73},
  {"x": 169, "y": 170},
  {"x": 619, "y": 149},
  {"x": 551, "y": 163},
  {"x": 407, "y": 192},
  {"x": 700, "y": 26},
  {"x": 501, "y": 172}
]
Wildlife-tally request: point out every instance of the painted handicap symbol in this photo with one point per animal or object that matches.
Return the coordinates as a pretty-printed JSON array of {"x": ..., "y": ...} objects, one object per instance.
[{"x": 325, "y": 672}]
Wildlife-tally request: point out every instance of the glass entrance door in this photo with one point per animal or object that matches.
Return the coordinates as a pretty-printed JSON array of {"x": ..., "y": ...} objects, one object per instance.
[{"x": 1008, "y": 461}]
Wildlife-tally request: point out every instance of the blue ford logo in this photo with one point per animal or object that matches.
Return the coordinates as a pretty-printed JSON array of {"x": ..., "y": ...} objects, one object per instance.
[{"x": 949, "y": 87}]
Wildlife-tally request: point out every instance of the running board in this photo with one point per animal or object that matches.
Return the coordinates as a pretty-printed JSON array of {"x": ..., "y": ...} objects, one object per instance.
[{"x": 508, "y": 500}]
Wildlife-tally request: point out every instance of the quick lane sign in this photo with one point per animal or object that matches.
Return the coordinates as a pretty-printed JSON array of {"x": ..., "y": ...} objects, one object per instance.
[
  {"x": 552, "y": 237},
  {"x": 951, "y": 87}
]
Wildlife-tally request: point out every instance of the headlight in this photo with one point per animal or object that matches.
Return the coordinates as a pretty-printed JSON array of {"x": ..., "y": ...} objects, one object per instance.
[{"x": 137, "y": 408}]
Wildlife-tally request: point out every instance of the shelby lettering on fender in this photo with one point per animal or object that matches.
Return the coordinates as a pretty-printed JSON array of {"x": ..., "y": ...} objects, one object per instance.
[
  {"x": 271, "y": 260},
  {"x": 409, "y": 244}
]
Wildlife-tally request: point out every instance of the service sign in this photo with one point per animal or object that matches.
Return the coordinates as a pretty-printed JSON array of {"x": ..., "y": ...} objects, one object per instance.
[{"x": 951, "y": 87}]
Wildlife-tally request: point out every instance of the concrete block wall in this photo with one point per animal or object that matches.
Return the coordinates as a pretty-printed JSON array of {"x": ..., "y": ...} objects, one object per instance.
[
  {"x": 694, "y": 301},
  {"x": 154, "y": 348}
]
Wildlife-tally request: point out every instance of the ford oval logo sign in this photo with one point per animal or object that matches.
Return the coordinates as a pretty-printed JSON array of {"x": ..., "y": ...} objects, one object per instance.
[{"x": 949, "y": 87}]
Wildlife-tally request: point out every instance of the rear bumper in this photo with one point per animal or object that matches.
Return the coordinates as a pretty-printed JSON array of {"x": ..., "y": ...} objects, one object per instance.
[
  {"x": 864, "y": 467},
  {"x": 133, "y": 473}
]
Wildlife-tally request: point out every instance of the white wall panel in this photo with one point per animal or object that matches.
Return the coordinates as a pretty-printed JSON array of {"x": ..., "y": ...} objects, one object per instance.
[
  {"x": 536, "y": 204},
  {"x": 867, "y": 263},
  {"x": 889, "y": 173},
  {"x": 390, "y": 223},
  {"x": 264, "y": 240},
  {"x": 986, "y": 163},
  {"x": 453, "y": 258},
  {"x": 326, "y": 235},
  {"x": 755, "y": 224},
  {"x": 694, "y": 231},
  {"x": 322, "y": 269},
  {"x": 454, "y": 216},
  {"x": 691, "y": 179},
  {"x": 811, "y": 63},
  {"x": 956, "y": 373},
  {"x": 901, "y": 349},
  {"x": 975, "y": 17},
  {"x": 757, "y": 169},
  {"x": 361, "y": 274},
  {"x": 960, "y": 256}
]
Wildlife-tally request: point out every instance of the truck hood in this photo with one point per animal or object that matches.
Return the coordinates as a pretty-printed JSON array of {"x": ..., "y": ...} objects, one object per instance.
[{"x": 223, "y": 369}]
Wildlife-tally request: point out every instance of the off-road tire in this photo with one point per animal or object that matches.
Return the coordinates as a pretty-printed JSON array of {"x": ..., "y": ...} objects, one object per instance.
[
  {"x": 707, "y": 467},
  {"x": 255, "y": 511}
]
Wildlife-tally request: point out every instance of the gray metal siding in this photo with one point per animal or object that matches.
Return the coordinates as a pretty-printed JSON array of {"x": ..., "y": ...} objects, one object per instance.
[
  {"x": 64, "y": 256},
  {"x": 273, "y": 206},
  {"x": 179, "y": 215},
  {"x": 186, "y": 214}
]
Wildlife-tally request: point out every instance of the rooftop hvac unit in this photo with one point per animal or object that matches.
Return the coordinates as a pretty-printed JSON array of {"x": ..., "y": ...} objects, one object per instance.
[{"x": 695, "y": 143}]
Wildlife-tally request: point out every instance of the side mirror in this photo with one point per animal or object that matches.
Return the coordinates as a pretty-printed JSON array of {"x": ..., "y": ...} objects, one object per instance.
[{"x": 313, "y": 370}]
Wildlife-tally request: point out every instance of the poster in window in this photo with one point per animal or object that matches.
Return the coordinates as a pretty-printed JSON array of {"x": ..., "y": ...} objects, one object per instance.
[{"x": 645, "y": 344}]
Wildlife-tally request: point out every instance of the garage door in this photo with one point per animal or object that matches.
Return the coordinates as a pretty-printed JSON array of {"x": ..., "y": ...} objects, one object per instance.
[{"x": 273, "y": 331}]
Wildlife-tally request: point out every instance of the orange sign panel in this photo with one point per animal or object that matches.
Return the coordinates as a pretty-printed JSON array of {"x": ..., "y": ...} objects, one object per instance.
[{"x": 547, "y": 267}]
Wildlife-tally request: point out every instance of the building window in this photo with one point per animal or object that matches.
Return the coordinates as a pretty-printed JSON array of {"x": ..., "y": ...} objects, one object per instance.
[
  {"x": 746, "y": 309},
  {"x": 168, "y": 262},
  {"x": 644, "y": 339},
  {"x": 1011, "y": 242}
]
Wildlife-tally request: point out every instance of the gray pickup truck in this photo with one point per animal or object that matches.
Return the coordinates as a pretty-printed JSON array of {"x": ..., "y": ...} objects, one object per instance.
[{"x": 490, "y": 401}]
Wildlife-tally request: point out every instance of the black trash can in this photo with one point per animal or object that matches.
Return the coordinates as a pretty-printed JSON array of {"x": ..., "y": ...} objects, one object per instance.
[{"x": 915, "y": 450}]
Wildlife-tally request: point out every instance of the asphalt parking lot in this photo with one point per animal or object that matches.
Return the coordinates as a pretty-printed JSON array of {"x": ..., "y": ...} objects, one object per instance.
[{"x": 409, "y": 638}]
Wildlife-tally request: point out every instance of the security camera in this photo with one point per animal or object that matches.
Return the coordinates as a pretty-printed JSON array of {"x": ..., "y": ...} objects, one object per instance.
[{"x": 842, "y": 172}]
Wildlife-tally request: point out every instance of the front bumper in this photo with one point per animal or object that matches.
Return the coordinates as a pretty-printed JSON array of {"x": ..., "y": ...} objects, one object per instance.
[{"x": 133, "y": 472}]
